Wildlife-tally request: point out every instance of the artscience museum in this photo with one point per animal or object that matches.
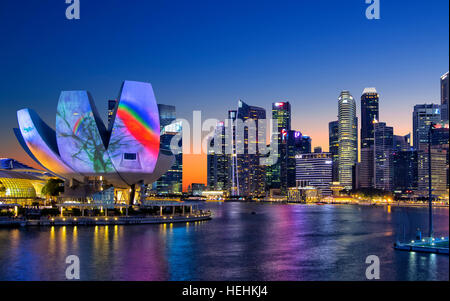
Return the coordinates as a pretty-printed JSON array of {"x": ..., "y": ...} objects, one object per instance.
[{"x": 90, "y": 156}]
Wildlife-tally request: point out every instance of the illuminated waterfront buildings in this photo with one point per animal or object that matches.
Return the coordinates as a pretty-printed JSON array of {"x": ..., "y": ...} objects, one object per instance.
[
  {"x": 369, "y": 116},
  {"x": 348, "y": 138},
  {"x": 439, "y": 163},
  {"x": 20, "y": 183}
]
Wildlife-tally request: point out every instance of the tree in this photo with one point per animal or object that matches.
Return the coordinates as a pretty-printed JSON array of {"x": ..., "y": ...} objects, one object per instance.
[{"x": 53, "y": 187}]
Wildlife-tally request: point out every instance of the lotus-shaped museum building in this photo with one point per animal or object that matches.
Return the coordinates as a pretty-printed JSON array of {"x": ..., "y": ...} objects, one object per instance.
[{"x": 125, "y": 153}]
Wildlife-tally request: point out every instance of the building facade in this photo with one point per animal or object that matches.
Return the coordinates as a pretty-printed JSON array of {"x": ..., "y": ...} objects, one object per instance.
[
  {"x": 405, "y": 165},
  {"x": 333, "y": 142},
  {"x": 248, "y": 176},
  {"x": 348, "y": 138},
  {"x": 423, "y": 116},
  {"x": 369, "y": 116},
  {"x": 315, "y": 170},
  {"x": 218, "y": 161},
  {"x": 281, "y": 113},
  {"x": 383, "y": 148},
  {"x": 172, "y": 181},
  {"x": 444, "y": 97}
]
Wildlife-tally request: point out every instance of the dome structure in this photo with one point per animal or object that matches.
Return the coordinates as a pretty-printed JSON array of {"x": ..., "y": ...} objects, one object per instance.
[{"x": 125, "y": 154}]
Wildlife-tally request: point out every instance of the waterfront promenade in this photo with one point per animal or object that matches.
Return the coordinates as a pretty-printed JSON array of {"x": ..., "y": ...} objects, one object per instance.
[{"x": 102, "y": 220}]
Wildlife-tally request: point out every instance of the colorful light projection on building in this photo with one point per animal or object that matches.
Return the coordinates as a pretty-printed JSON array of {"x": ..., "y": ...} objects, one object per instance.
[
  {"x": 82, "y": 146},
  {"x": 39, "y": 139},
  {"x": 79, "y": 133},
  {"x": 137, "y": 124}
]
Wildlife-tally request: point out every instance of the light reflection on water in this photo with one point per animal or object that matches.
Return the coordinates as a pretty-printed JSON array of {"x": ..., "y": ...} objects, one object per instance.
[{"x": 279, "y": 242}]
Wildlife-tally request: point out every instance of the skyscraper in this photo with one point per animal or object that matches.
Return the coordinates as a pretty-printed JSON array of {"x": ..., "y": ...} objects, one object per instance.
[
  {"x": 444, "y": 97},
  {"x": 369, "y": 115},
  {"x": 348, "y": 138},
  {"x": 218, "y": 160},
  {"x": 405, "y": 170},
  {"x": 333, "y": 142},
  {"x": 383, "y": 148},
  {"x": 423, "y": 116},
  {"x": 281, "y": 112},
  {"x": 402, "y": 143},
  {"x": 439, "y": 172},
  {"x": 249, "y": 175},
  {"x": 302, "y": 143},
  {"x": 172, "y": 181},
  {"x": 439, "y": 148}
]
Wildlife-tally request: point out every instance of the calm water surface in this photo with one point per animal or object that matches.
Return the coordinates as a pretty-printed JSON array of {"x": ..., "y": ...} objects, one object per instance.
[{"x": 279, "y": 242}]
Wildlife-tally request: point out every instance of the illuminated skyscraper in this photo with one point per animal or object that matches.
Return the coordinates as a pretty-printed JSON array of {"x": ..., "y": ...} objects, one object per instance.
[
  {"x": 302, "y": 143},
  {"x": 423, "y": 116},
  {"x": 218, "y": 160},
  {"x": 172, "y": 181},
  {"x": 369, "y": 115},
  {"x": 402, "y": 143},
  {"x": 333, "y": 142},
  {"x": 444, "y": 97},
  {"x": 383, "y": 148},
  {"x": 439, "y": 171},
  {"x": 405, "y": 170},
  {"x": 281, "y": 112},
  {"x": 248, "y": 176},
  {"x": 315, "y": 169},
  {"x": 348, "y": 138}
]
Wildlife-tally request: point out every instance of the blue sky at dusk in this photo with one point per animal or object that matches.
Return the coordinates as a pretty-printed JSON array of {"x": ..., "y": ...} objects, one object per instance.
[{"x": 205, "y": 55}]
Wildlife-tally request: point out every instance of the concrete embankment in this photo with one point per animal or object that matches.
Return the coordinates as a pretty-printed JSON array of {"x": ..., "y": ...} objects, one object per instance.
[{"x": 94, "y": 221}]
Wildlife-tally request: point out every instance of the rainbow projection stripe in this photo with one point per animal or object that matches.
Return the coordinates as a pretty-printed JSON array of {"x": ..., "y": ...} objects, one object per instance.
[
  {"x": 140, "y": 126},
  {"x": 78, "y": 125}
]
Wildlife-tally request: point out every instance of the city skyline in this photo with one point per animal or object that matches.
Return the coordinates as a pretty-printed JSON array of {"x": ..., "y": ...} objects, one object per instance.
[{"x": 287, "y": 69}]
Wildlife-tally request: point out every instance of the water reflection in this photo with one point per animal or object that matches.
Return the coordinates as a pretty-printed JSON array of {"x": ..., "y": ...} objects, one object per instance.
[{"x": 244, "y": 241}]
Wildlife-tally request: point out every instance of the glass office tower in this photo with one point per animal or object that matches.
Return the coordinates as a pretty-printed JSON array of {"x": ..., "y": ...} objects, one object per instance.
[
  {"x": 383, "y": 148},
  {"x": 172, "y": 181},
  {"x": 348, "y": 138},
  {"x": 333, "y": 142},
  {"x": 369, "y": 115},
  {"x": 281, "y": 112}
]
